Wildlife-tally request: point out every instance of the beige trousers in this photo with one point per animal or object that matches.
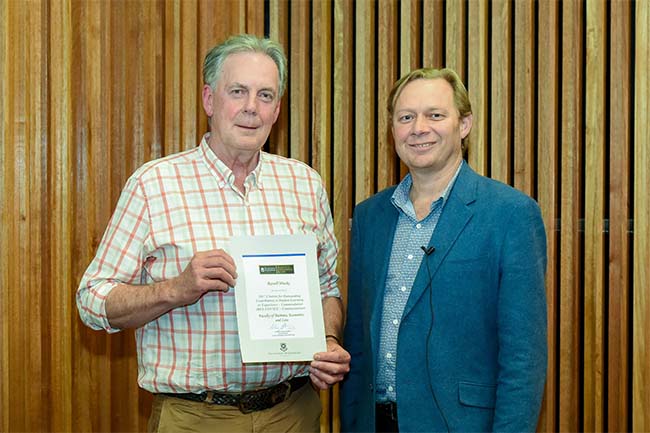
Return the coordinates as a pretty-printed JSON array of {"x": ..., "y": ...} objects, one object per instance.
[{"x": 300, "y": 413}]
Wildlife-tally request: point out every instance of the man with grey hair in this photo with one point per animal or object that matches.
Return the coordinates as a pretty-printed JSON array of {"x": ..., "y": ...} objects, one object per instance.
[{"x": 161, "y": 267}]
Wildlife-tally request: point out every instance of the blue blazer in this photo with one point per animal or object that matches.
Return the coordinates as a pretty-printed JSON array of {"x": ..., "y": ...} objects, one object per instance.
[{"x": 472, "y": 347}]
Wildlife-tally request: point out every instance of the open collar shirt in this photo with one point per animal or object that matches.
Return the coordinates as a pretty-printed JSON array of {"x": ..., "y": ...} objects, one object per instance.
[
  {"x": 172, "y": 208},
  {"x": 405, "y": 259}
]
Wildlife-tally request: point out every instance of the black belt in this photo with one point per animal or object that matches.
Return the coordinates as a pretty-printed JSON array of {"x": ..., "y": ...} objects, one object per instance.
[
  {"x": 249, "y": 401},
  {"x": 387, "y": 410}
]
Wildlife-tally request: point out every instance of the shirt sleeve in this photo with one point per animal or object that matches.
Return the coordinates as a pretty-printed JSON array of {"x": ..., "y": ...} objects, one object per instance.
[
  {"x": 327, "y": 248},
  {"x": 119, "y": 256}
]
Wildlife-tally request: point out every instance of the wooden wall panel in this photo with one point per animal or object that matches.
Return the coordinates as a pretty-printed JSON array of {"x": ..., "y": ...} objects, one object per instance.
[
  {"x": 364, "y": 100},
  {"x": 387, "y": 172},
  {"x": 91, "y": 90},
  {"x": 594, "y": 250},
  {"x": 500, "y": 112},
  {"x": 618, "y": 336},
  {"x": 478, "y": 85},
  {"x": 570, "y": 198},
  {"x": 641, "y": 300},
  {"x": 300, "y": 84},
  {"x": 548, "y": 175}
]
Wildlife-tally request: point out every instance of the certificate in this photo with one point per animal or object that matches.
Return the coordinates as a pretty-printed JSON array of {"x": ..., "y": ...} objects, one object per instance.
[{"x": 277, "y": 294}]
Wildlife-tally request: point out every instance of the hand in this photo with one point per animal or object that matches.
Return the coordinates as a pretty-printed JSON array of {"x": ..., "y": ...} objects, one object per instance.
[
  {"x": 329, "y": 367},
  {"x": 208, "y": 271}
]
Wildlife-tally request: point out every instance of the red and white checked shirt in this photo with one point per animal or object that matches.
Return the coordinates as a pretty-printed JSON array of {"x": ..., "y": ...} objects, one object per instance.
[{"x": 175, "y": 206}]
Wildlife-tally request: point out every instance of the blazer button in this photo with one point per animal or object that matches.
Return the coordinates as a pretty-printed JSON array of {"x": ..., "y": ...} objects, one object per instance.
[{"x": 370, "y": 387}]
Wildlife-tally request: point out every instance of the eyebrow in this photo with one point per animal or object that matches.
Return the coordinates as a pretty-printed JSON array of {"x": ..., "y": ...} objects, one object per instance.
[{"x": 263, "y": 89}]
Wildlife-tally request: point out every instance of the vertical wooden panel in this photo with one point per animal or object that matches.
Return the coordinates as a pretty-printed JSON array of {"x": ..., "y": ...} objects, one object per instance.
[
  {"x": 279, "y": 31},
  {"x": 594, "y": 350},
  {"x": 548, "y": 176},
  {"x": 433, "y": 32},
  {"x": 619, "y": 214},
  {"x": 299, "y": 122},
  {"x": 641, "y": 302},
  {"x": 4, "y": 219},
  {"x": 410, "y": 22},
  {"x": 387, "y": 67},
  {"x": 61, "y": 164},
  {"x": 478, "y": 84},
  {"x": 321, "y": 138},
  {"x": 569, "y": 302},
  {"x": 191, "y": 78},
  {"x": 501, "y": 108},
  {"x": 255, "y": 17},
  {"x": 365, "y": 100},
  {"x": 524, "y": 98},
  {"x": 455, "y": 33},
  {"x": 90, "y": 56}
]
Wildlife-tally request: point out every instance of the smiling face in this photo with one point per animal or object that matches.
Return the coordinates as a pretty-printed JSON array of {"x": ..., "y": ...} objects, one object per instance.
[
  {"x": 427, "y": 127},
  {"x": 244, "y": 105}
]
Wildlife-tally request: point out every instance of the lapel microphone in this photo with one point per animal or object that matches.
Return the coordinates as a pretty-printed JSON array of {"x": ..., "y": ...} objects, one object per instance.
[{"x": 428, "y": 251}]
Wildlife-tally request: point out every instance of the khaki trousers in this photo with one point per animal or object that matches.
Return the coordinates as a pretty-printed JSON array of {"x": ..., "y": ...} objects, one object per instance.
[{"x": 299, "y": 413}]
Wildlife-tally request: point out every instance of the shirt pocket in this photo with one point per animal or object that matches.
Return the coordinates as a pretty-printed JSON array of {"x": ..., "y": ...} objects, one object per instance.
[{"x": 477, "y": 395}]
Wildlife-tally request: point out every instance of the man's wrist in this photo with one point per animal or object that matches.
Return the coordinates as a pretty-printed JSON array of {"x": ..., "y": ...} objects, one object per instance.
[{"x": 333, "y": 337}]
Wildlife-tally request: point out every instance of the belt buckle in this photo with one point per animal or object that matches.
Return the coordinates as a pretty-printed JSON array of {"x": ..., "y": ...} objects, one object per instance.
[
  {"x": 248, "y": 402},
  {"x": 245, "y": 403}
]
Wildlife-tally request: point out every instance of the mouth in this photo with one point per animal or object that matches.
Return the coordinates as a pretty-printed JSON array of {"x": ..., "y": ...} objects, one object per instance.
[
  {"x": 248, "y": 127},
  {"x": 421, "y": 145}
]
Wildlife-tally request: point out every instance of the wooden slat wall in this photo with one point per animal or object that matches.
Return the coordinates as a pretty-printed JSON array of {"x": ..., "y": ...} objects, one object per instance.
[{"x": 90, "y": 90}]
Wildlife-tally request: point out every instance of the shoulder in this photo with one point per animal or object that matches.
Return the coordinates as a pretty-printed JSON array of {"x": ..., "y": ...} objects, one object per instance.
[
  {"x": 281, "y": 166},
  {"x": 167, "y": 164},
  {"x": 376, "y": 202},
  {"x": 494, "y": 191}
]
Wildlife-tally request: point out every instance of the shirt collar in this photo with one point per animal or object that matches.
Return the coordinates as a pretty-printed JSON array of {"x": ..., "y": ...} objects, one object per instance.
[
  {"x": 223, "y": 172},
  {"x": 402, "y": 201}
]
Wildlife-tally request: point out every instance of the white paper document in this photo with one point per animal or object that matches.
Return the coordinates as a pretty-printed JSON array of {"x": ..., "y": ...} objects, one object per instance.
[{"x": 279, "y": 310}]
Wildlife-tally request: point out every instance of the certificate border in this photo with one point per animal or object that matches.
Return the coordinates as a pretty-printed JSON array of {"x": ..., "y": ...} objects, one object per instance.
[{"x": 287, "y": 349}]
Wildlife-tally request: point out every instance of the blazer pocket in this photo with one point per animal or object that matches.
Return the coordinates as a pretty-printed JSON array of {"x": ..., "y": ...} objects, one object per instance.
[{"x": 477, "y": 395}]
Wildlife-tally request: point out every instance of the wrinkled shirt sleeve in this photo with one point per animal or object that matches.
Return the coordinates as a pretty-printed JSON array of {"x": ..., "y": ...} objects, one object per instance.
[{"x": 119, "y": 256}]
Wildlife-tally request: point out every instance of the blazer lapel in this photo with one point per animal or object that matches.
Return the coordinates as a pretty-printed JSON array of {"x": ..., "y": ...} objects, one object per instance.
[{"x": 454, "y": 218}]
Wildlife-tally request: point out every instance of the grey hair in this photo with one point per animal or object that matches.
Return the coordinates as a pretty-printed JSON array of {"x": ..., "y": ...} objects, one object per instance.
[{"x": 244, "y": 43}]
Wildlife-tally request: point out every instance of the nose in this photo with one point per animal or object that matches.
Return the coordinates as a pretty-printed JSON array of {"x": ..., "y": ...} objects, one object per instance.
[
  {"x": 420, "y": 125},
  {"x": 250, "y": 106}
]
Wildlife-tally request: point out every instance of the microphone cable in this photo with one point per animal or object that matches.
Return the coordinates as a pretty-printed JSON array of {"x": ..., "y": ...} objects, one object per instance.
[{"x": 427, "y": 253}]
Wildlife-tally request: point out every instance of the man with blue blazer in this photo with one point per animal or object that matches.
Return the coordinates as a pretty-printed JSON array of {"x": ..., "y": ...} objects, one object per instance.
[{"x": 446, "y": 321}]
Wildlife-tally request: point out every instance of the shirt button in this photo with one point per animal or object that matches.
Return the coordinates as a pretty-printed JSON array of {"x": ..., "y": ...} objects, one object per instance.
[
  {"x": 418, "y": 225},
  {"x": 390, "y": 388},
  {"x": 403, "y": 289},
  {"x": 410, "y": 256},
  {"x": 395, "y": 322},
  {"x": 389, "y": 355}
]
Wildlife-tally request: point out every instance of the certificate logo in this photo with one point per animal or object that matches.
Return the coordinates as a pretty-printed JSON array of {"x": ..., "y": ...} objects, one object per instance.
[
  {"x": 276, "y": 269},
  {"x": 283, "y": 347}
]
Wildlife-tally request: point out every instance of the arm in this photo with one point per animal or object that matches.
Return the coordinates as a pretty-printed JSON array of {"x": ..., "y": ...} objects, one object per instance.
[
  {"x": 521, "y": 323},
  {"x": 132, "y": 306},
  {"x": 107, "y": 297},
  {"x": 329, "y": 367}
]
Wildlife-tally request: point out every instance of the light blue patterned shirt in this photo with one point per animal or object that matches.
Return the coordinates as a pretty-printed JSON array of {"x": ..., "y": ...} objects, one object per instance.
[{"x": 405, "y": 259}]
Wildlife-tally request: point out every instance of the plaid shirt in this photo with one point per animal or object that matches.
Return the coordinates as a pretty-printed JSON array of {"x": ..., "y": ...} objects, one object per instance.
[{"x": 172, "y": 208}]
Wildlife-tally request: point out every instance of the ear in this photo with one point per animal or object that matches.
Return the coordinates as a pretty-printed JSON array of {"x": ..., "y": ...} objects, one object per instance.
[
  {"x": 208, "y": 100},
  {"x": 466, "y": 125}
]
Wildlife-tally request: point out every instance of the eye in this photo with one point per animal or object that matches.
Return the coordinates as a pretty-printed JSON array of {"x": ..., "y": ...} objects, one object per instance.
[
  {"x": 237, "y": 92},
  {"x": 437, "y": 116},
  {"x": 267, "y": 96},
  {"x": 405, "y": 118}
]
